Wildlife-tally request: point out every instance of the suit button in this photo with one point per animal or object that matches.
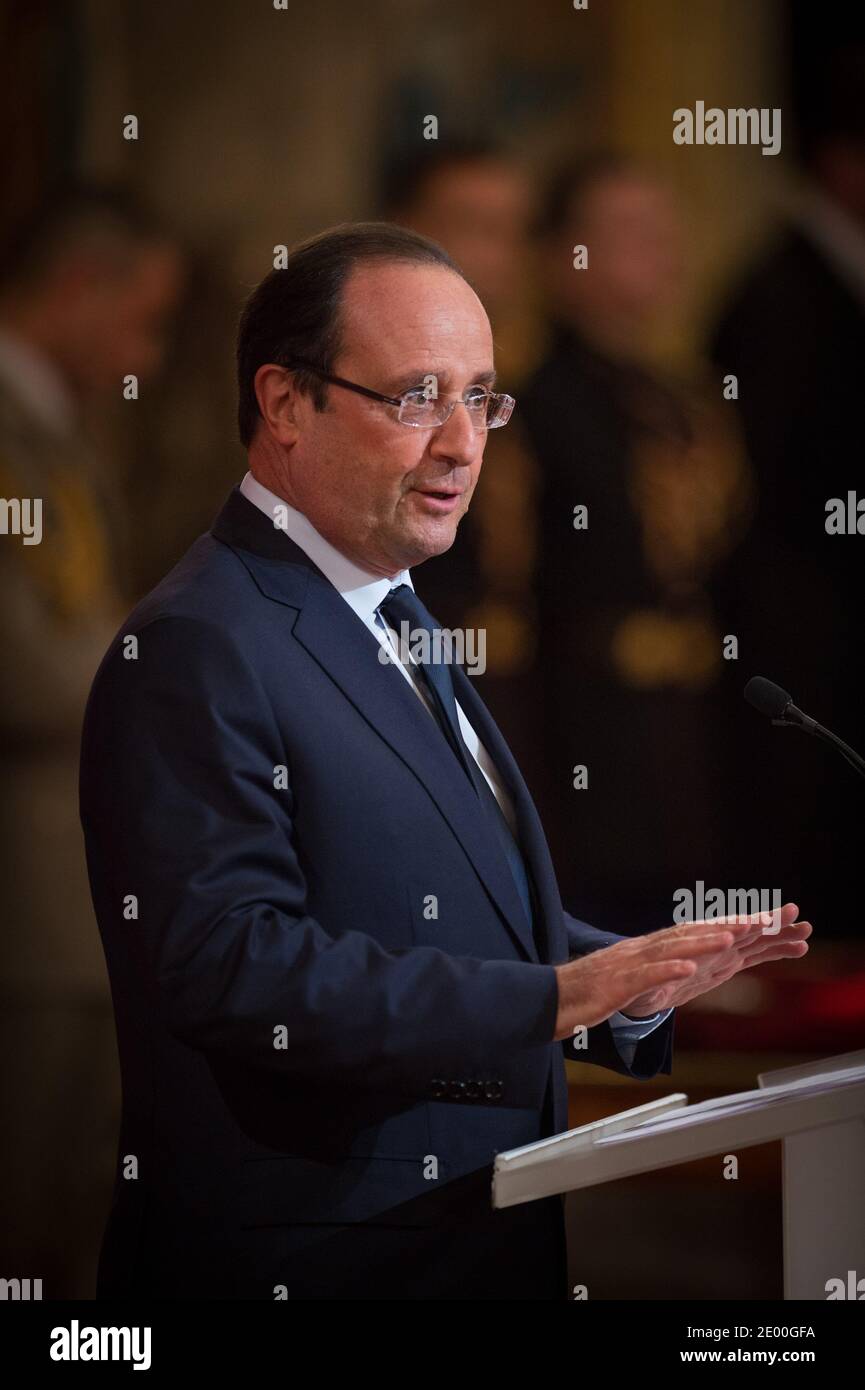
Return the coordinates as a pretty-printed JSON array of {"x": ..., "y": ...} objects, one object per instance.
[
  {"x": 438, "y": 1089},
  {"x": 493, "y": 1090},
  {"x": 457, "y": 1090},
  {"x": 473, "y": 1090}
]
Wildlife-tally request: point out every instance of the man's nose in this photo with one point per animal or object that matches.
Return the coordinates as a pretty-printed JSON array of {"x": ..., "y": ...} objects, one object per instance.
[{"x": 457, "y": 438}]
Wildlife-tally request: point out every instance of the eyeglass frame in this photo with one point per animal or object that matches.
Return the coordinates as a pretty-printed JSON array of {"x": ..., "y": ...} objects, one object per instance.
[{"x": 397, "y": 400}]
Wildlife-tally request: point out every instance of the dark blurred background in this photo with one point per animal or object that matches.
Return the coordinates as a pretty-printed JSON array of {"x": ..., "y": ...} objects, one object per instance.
[{"x": 124, "y": 265}]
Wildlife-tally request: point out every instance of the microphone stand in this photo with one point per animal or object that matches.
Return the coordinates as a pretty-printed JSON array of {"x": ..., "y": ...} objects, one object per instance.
[{"x": 810, "y": 726}]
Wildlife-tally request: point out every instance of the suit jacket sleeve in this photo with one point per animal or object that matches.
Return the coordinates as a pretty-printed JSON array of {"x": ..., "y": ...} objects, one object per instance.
[
  {"x": 178, "y": 800},
  {"x": 652, "y": 1054}
]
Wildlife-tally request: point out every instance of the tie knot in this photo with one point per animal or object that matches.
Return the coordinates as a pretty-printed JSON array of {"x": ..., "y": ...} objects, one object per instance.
[
  {"x": 402, "y": 605},
  {"x": 420, "y": 640},
  {"x": 401, "y": 591}
]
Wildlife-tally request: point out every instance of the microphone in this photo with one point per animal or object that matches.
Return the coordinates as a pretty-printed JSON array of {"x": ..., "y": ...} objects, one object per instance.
[{"x": 777, "y": 705}]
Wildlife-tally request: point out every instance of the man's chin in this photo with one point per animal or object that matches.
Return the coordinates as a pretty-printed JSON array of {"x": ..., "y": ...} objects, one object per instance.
[
  {"x": 428, "y": 534},
  {"x": 435, "y": 539}
]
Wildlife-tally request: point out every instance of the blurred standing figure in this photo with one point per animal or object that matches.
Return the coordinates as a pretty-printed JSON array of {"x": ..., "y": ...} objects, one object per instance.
[
  {"x": 630, "y": 639},
  {"x": 83, "y": 300},
  {"x": 793, "y": 333},
  {"x": 477, "y": 201}
]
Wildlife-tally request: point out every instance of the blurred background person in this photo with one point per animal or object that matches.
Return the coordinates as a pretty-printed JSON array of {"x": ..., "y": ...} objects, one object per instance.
[
  {"x": 630, "y": 649},
  {"x": 87, "y": 288},
  {"x": 478, "y": 201},
  {"x": 793, "y": 333}
]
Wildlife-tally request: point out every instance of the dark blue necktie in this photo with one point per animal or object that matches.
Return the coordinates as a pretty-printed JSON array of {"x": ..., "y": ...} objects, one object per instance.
[{"x": 402, "y": 605}]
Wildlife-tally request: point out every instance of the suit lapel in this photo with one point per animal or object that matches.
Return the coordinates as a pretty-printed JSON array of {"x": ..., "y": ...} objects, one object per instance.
[
  {"x": 533, "y": 840},
  {"x": 345, "y": 648}
]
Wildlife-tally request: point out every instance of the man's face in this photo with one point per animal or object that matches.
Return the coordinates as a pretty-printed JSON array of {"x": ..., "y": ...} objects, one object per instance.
[
  {"x": 632, "y": 228},
  {"x": 479, "y": 211},
  {"x": 386, "y": 494},
  {"x": 116, "y": 321}
]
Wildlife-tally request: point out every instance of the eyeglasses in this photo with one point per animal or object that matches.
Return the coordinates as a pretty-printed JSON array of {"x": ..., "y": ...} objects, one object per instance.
[{"x": 488, "y": 410}]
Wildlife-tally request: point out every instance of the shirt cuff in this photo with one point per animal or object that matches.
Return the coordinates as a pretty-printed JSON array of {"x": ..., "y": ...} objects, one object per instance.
[
  {"x": 638, "y": 1027},
  {"x": 628, "y": 1032}
]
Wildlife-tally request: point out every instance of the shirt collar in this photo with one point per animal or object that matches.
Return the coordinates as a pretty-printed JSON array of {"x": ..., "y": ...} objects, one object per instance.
[{"x": 362, "y": 591}]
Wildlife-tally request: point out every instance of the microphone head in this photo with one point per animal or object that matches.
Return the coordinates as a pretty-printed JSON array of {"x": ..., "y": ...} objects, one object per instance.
[{"x": 767, "y": 697}]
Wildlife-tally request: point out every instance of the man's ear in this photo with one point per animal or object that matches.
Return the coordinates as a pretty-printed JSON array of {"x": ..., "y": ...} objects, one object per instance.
[{"x": 277, "y": 398}]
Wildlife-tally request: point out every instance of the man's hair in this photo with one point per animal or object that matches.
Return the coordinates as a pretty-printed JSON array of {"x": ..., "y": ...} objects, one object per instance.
[
  {"x": 295, "y": 311},
  {"x": 109, "y": 221}
]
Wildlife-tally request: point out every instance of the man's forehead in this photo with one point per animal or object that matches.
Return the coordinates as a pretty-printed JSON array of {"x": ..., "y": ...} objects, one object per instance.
[{"x": 426, "y": 310}]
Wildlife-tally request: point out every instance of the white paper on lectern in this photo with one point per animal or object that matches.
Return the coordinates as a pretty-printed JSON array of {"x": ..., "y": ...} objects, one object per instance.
[
  {"x": 587, "y": 1155},
  {"x": 745, "y": 1100}
]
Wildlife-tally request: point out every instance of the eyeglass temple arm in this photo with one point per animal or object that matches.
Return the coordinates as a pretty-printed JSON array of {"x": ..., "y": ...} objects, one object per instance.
[{"x": 341, "y": 381}]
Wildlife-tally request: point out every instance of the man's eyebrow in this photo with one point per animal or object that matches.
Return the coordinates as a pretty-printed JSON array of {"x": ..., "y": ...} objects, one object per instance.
[{"x": 407, "y": 380}]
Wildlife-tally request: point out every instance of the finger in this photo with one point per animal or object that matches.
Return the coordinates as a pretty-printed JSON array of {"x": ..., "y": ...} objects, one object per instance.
[
  {"x": 791, "y": 951},
  {"x": 750, "y": 924},
  {"x": 758, "y": 925},
  {"x": 796, "y": 931},
  {"x": 737, "y": 925},
  {"x": 771, "y": 923},
  {"x": 692, "y": 946},
  {"x": 776, "y": 917},
  {"x": 799, "y": 931}
]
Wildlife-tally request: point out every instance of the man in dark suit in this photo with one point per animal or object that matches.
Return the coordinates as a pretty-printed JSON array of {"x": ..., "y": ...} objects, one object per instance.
[{"x": 339, "y": 961}]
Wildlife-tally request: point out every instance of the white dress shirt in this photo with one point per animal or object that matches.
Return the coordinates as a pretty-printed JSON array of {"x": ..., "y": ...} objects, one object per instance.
[{"x": 363, "y": 592}]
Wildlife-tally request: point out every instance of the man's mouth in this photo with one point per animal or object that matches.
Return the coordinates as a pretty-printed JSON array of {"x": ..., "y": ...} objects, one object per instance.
[{"x": 443, "y": 499}]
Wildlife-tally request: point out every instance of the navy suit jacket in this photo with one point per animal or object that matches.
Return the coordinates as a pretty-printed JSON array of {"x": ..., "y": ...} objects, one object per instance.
[{"x": 331, "y": 1011}]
